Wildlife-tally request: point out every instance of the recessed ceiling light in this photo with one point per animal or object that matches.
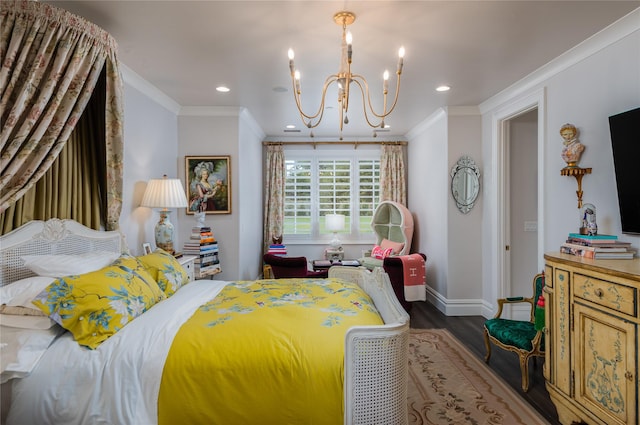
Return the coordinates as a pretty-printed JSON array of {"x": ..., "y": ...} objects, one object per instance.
[
  {"x": 291, "y": 126},
  {"x": 222, "y": 89},
  {"x": 443, "y": 88}
]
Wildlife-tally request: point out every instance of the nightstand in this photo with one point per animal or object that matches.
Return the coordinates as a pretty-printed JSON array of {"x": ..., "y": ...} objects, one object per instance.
[{"x": 188, "y": 262}]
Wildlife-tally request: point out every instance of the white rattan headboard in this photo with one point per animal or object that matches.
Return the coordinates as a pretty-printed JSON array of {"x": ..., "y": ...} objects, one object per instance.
[{"x": 54, "y": 236}]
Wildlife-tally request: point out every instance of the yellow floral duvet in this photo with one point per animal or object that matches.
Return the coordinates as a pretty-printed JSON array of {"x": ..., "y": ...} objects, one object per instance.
[{"x": 264, "y": 352}]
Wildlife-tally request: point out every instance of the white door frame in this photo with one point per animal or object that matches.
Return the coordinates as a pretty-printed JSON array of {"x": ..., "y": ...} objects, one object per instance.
[{"x": 500, "y": 210}]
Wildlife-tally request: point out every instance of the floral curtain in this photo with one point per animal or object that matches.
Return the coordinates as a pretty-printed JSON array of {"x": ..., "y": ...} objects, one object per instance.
[
  {"x": 393, "y": 186},
  {"x": 51, "y": 60},
  {"x": 274, "y": 194}
]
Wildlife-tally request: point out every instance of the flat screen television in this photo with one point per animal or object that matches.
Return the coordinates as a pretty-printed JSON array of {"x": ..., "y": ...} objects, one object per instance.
[{"x": 625, "y": 143}]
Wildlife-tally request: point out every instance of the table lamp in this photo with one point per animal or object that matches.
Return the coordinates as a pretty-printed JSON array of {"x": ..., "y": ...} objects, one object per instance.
[
  {"x": 334, "y": 223},
  {"x": 164, "y": 193}
]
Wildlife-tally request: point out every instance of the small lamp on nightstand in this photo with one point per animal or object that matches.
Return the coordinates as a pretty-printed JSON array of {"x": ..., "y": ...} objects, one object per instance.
[
  {"x": 334, "y": 223},
  {"x": 164, "y": 193}
]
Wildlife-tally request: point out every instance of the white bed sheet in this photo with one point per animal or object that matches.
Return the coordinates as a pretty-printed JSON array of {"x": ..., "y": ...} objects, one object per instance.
[{"x": 119, "y": 382}]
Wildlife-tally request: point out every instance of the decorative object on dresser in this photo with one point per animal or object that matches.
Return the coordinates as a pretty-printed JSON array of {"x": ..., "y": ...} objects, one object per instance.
[
  {"x": 592, "y": 319},
  {"x": 588, "y": 224},
  {"x": 525, "y": 338},
  {"x": 164, "y": 193},
  {"x": 208, "y": 184}
]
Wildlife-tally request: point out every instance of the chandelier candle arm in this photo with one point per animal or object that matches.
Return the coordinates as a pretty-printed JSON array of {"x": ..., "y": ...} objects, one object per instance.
[{"x": 344, "y": 78}]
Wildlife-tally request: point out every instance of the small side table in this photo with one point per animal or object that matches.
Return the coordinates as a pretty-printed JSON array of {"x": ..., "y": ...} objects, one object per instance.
[
  {"x": 188, "y": 262},
  {"x": 326, "y": 264}
]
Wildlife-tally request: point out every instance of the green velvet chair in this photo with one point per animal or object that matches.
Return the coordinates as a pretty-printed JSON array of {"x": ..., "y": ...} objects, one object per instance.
[{"x": 525, "y": 338}]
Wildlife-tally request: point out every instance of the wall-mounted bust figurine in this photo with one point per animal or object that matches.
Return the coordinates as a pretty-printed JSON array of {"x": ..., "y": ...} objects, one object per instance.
[{"x": 572, "y": 148}]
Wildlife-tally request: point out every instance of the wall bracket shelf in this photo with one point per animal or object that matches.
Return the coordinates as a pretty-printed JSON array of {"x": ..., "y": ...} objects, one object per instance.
[{"x": 578, "y": 173}]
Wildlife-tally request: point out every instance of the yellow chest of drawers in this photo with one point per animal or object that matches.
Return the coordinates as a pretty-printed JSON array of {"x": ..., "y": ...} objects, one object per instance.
[{"x": 592, "y": 319}]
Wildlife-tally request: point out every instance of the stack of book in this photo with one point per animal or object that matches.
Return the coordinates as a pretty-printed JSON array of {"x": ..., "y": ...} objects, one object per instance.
[
  {"x": 277, "y": 249},
  {"x": 597, "y": 246},
  {"x": 203, "y": 244}
]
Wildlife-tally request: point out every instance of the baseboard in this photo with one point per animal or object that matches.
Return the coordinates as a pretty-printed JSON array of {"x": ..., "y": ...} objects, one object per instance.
[
  {"x": 475, "y": 307},
  {"x": 460, "y": 307}
]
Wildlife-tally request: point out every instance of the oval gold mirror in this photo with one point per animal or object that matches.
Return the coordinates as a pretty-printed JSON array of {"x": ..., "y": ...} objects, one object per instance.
[{"x": 465, "y": 183}]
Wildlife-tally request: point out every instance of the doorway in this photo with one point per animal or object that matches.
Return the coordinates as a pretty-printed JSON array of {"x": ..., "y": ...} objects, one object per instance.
[
  {"x": 518, "y": 152},
  {"x": 521, "y": 210}
]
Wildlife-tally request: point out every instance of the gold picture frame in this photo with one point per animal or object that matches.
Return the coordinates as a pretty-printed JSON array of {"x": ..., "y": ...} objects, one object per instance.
[{"x": 208, "y": 184}]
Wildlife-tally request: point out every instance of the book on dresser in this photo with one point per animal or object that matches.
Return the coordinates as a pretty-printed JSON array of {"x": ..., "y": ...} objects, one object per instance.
[{"x": 597, "y": 247}]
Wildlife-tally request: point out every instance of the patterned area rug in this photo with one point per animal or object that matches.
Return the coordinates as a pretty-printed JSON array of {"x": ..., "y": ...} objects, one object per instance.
[{"x": 449, "y": 385}]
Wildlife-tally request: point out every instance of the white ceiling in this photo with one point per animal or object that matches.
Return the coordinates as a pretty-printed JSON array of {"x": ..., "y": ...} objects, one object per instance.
[{"x": 187, "y": 48}]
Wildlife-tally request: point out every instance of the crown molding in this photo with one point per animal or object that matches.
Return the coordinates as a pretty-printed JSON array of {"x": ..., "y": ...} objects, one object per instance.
[
  {"x": 137, "y": 82},
  {"x": 211, "y": 111},
  {"x": 615, "y": 32},
  {"x": 251, "y": 124},
  {"x": 426, "y": 123}
]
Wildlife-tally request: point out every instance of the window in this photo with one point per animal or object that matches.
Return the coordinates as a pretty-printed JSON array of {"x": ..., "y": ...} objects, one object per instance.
[{"x": 321, "y": 183}]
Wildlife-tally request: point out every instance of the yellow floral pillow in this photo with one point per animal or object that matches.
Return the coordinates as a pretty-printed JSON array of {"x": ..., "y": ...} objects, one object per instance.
[
  {"x": 94, "y": 306},
  {"x": 166, "y": 270}
]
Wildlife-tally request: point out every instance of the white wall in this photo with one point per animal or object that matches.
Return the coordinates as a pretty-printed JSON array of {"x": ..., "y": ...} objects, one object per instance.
[
  {"x": 585, "y": 95},
  {"x": 150, "y": 150},
  {"x": 217, "y": 131},
  {"x": 427, "y": 199},
  {"x": 213, "y": 132},
  {"x": 250, "y": 204},
  {"x": 586, "y": 85},
  {"x": 464, "y": 230},
  {"x": 450, "y": 239}
]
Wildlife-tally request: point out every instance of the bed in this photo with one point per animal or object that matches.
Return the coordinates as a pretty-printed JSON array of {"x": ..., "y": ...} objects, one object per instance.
[{"x": 157, "y": 367}]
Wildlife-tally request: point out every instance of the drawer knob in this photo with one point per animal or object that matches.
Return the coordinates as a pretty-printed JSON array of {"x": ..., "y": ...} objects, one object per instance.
[
  {"x": 629, "y": 376},
  {"x": 599, "y": 293}
]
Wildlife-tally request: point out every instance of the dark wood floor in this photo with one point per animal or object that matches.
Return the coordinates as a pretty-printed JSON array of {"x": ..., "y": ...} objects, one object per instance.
[{"x": 468, "y": 330}]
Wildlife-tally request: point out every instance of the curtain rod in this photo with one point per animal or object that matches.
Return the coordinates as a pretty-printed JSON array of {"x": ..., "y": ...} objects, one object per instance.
[{"x": 354, "y": 143}]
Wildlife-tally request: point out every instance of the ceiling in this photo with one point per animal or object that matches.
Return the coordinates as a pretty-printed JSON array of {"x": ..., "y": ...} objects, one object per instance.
[{"x": 188, "y": 48}]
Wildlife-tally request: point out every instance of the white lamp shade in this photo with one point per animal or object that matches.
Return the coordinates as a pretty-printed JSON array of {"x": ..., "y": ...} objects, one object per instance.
[
  {"x": 334, "y": 222},
  {"x": 164, "y": 193}
]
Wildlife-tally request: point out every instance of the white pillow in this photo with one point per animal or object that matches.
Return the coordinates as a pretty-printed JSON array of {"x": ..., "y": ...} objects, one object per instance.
[
  {"x": 65, "y": 265},
  {"x": 26, "y": 322},
  {"x": 21, "y": 292},
  {"x": 22, "y": 349}
]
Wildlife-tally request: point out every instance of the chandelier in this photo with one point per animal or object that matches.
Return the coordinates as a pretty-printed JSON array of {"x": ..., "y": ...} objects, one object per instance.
[{"x": 344, "y": 78}]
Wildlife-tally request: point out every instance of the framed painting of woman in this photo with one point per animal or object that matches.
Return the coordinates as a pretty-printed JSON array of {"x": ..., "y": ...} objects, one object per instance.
[{"x": 208, "y": 184}]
